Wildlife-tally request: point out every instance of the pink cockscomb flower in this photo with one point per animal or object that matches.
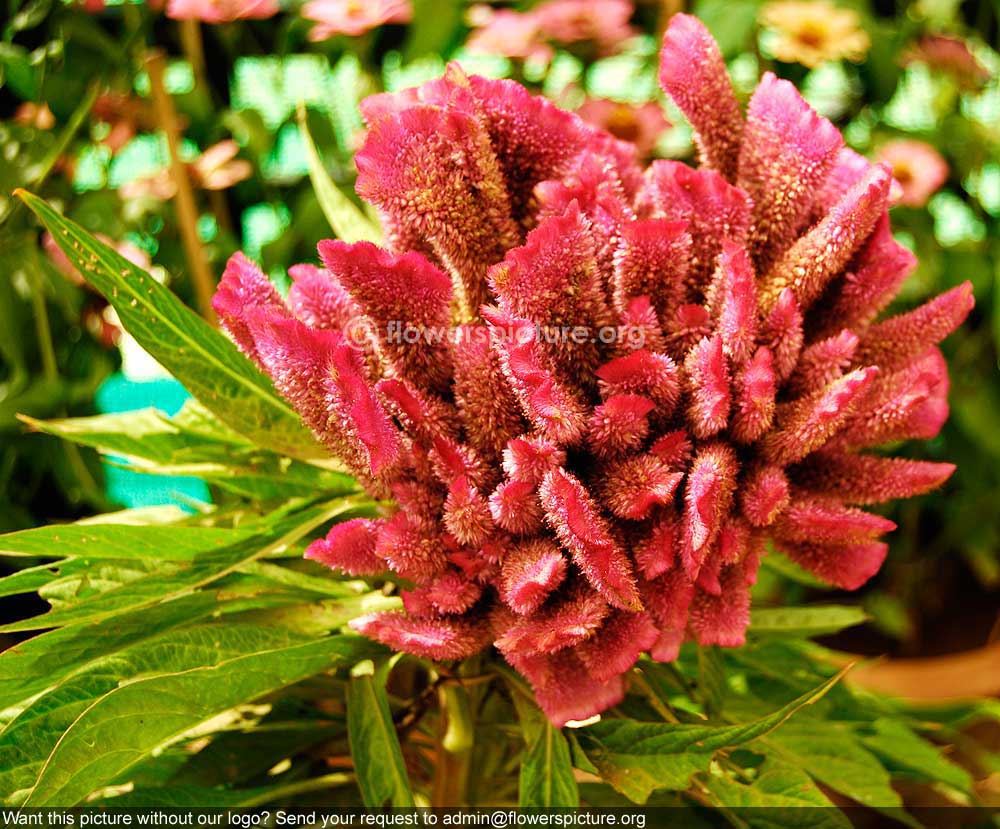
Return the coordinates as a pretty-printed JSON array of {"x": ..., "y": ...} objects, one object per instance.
[
  {"x": 353, "y": 17},
  {"x": 917, "y": 166},
  {"x": 221, "y": 11},
  {"x": 595, "y": 392},
  {"x": 639, "y": 124}
]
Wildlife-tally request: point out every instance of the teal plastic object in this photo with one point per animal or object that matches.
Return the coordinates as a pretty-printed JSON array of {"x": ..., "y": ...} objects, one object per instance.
[{"x": 137, "y": 489}]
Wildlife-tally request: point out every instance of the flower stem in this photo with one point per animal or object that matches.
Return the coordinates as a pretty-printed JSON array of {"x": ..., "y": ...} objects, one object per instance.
[
  {"x": 187, "y": 211},
  {"x": 451, "y": 774}
]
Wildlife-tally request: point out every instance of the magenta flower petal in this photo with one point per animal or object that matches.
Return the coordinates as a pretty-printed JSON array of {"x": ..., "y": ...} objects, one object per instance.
[
  {"x": 407, "y": 298},
  {"x": 707, "y": 498},
  {"x": 871, "y": 479},
  {"x": 531, "y": 571},
  {"x": 243, "y": 286},
  {"x": 349, "y": 547},
  {"x": 815, "y": 258},
  {"x": 708, "y": 378},
  {"x": 787, "y": 152},
  {"x": 438, "y": 638},
  {"x": 515, "y": 507},
  {"x": 632, "y": 487},
  {"x": 847, "y": 566},
  {"x": 319, "y": 300},
  {"x": 895, "y": 341},
  {"x": 693, "y": 73},
  {"x": 582, "y": 530},
  {"x": 764, "y": 494},
  {"x": 565, "y": 688}
]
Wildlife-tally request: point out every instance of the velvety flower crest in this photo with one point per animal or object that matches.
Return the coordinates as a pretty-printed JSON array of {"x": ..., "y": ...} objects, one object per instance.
[{"x": 595, "y": 392}]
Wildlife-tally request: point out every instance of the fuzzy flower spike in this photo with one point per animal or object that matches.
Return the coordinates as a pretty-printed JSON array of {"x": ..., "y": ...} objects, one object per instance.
[{"x": 596, "y": 391}]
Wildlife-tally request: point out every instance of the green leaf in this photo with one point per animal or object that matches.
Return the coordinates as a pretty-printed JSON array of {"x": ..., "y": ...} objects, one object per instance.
[
  {"x": 344, "y": 216},
  {"x": 791, "y": 570},
  {"x": 198, "y": 571},
  {"x": 711, "y": 679},
  {"x": 546, "y": 768},
  {"x": 33, "y": 666},
  {"x": 897, "y": 745},
  {"x": 134, "y": 719},
  {"x": 639, "y": 757},
  {"x": 780, "y": 797},
  {"x": 195, "y": 797},
  {"x": 193, "y": 442},
  {"x": 198, "y": 355},
  {"x": 378, "y": 759},
  {"x": 804, "y": 621},
  {"x": 833, "y": 756},
  {"x": 119, "y": 541}
]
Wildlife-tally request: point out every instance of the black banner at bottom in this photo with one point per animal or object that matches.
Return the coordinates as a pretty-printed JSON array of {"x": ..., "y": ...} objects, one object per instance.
[{"x": 637, "y": 817}]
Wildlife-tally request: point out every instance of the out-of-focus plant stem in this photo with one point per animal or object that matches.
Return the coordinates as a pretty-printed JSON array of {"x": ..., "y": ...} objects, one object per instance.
[
  {"x": 184, "y": 203},
  {"x": 193, "y": 46},
  {"x": 50, "y": 370},
  {"x": 457, "y": 733}
]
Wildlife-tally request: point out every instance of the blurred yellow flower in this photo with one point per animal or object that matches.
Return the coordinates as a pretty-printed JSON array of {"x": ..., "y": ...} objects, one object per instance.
[{"x": 811, "y": 33}]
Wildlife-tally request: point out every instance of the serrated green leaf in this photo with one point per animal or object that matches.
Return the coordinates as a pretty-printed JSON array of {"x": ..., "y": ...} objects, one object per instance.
[
  {"x": 639, "y": 757},
  {"x": 804, "y": 621},
  {"x": 344, "y": 216},
  {"x": 378, "y": 759},
  {"x": 833, "y": 756},
  {"x": 196, "y": 572},
  {"x": 546, "y": 768},
  {"x": 780, "y": 797},
  {"x": 131, "y": 721},
  {"x": 198, "y": 355},
  {"x": 896, "y": 744},
  {"x": 31, "y": 667},
  {"x": 119, "y": 541},
  {"x": 193, "y": 442}
]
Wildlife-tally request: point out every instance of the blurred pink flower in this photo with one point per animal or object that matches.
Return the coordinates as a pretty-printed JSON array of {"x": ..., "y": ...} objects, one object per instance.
[
  {"x": 35, "y": 115},
  {"x": 509, "y": 34},
  {"x": 605, "y": 23},
  {"x": 217, "y": 168},
  {"x": 221, "y": 11},
  {"x": 917, "y": 166},
  {"x": 126, "y": 115},
  {"x": 950, "y": 54},
  {"x": 353, "y": 17},
  {"x": 639, "y": 124}
]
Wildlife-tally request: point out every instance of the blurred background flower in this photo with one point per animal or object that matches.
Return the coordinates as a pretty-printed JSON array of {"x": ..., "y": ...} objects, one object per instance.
[{"x": 811, "y": 33}]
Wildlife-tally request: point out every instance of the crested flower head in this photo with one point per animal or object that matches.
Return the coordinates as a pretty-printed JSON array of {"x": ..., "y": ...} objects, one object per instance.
[
  {"x": 917, "y": 166},
  {"x": 596, "y": 392},
  {"x": 811, "y": 33}
]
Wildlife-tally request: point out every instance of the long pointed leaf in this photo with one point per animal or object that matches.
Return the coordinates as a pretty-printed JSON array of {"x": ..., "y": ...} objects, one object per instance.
[
  {"x": 378, "y": 759},
  {"x": 198, "y": 355},
  {"x": 347, "y": 221}
]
